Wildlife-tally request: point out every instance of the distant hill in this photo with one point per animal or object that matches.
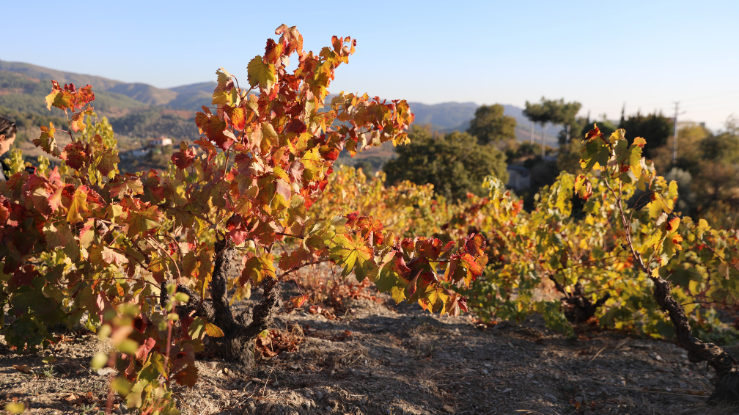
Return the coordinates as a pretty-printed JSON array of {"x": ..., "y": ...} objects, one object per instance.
[
  {"x": 192, "y": 97},
  {"x": 145, "y": 93},
  {"x": 444, "y": 115},
  {"x": 141, "y": 110},
  {"x": 39, "y": 72},
  {"x": 23, "y": 93},
  {"x": 187, "y": 97}
]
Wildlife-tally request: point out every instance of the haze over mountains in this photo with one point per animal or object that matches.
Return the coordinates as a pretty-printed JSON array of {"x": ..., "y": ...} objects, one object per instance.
[
  {"x": 23, "y": 88},
  {"x": 188, "y": 97}
]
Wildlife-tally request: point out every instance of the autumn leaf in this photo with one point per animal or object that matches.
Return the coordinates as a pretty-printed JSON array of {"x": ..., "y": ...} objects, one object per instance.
[
  {"x": 107, "y": 162},
  {"x": 22, "y": 368},
  {"x": 214, "y": 128},
  {"x": 75, "y": 155},
  {"x": 583, "y": 187},
  {"x": 187, "y": 376},
  {"x": 141, "y": 222},
  {"x": 78, "y": 207},
  {"x": 257, "y": 268},
  {"x": 213, "y": 331},
  {"x": 47, "y": 141},
  {"x": 126, "y": 185},
  {"x": 298, "y": 301},
  {"x": 184, "y": 158},
  {"x": 261, "y": 74},
  {"x": 354, "y": 255}
]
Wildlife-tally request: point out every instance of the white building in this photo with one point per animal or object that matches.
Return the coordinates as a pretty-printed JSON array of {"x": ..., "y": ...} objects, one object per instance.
[{"x": 160, "y": 142}]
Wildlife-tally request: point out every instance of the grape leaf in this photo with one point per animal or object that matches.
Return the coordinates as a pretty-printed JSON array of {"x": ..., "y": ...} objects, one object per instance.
[
  {"x": 261, "y": 74},
  {"x": 257, "y": 268}
]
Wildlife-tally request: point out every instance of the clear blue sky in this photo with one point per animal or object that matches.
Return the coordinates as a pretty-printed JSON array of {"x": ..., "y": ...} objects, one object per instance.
[{"x": 645, "y": 54}]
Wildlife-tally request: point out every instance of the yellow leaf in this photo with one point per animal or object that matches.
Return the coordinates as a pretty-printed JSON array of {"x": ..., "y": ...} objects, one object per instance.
[
  {"x": 213, "y": 331},
  {"x": 257, "y": 269},
  {"x": 262, "y": 74},
  {"x": 702, "y": 227},
  {"x": 693, "y": 287},
  {"x": 15, "y": 407},
  {"x": 78, "y": 206}
]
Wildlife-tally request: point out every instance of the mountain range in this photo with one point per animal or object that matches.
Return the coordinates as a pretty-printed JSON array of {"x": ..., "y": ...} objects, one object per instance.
[{"x": 142, "y": 110}]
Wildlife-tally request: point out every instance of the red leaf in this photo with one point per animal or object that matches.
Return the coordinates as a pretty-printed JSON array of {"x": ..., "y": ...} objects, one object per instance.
[
  {"x": 184, "y": 158},
  {"x": 75, "y": 154},
  {"x": 594, "y": 133},
  {"x": 143, "y": 351},
  {"x": 188, "y": 376},
  {"x": 24, "y": 276},
  {"x": 296, "y": 126}
]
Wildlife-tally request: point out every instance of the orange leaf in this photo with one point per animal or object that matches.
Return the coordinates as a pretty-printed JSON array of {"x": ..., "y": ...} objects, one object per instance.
[{"x": 22, "y": 368}]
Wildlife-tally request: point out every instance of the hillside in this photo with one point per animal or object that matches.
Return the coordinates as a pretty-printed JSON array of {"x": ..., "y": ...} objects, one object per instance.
[
  {"x": 139, "y": 111},
  {"x": 17, "y": 80}
]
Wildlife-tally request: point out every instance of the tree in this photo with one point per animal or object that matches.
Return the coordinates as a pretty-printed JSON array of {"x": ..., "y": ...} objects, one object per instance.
[
  {"x": 454, "y": 163},
  {"x": 710, "y": 161},
  {"x": 149, "y": 258},
  {"x": 552, "y": 111},
  {"x": 491, "y": 126},
  {"x": 655, "y": 126}
]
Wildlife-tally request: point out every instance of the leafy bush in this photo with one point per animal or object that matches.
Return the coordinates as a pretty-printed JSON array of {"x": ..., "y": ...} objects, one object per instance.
[{"x": 454, "y": 163}]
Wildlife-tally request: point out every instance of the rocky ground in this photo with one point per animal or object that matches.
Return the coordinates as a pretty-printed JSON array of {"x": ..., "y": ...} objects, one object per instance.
[{"x": 382, "y": 359}]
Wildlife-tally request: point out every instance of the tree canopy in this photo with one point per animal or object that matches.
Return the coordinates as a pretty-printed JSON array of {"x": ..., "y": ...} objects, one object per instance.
[
  {"x": 454, "y": 163},
  {"x": 491, "y": 126},
  {"x": 552, "y": 111},
  {"x": 655, "y": 126}
]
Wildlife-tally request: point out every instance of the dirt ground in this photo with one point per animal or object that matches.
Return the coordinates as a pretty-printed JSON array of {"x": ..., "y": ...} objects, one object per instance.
[{"x": 386, "y": 359}]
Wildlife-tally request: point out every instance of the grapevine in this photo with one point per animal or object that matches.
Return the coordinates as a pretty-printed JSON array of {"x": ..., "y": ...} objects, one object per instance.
[{"x": 145, "y": 259}]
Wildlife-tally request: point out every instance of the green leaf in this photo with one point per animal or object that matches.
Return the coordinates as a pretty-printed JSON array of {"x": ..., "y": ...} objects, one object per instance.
[
  {"x": 99, "y": 360},
  {"x": 128, "y": 346},
  {"x": 181, "y": 297},
  {"x": 196, "y": 330},
  {"x": 121, "y": 385},
  {"x": 354, "y": 255},
  {"x": 388, "y": 278},
  {"x": 261, "y": 74},
  {"x": 555, "y": 319},
  {"x": 134, "y": 399}
]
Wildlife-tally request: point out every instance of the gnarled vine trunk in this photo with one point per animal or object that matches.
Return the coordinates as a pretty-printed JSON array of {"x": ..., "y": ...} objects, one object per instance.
[
  {"x": 241, "y": 330},
  {"x": 727, "y": 386},
  {"x": 577, "y": 305}
]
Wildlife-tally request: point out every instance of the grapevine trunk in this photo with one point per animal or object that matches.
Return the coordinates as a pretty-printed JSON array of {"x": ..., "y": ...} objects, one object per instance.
[
  {"x": 577, "y": 304},
  {"x": 727, "y": 386},
  {"x": 240, "y": 331}
]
